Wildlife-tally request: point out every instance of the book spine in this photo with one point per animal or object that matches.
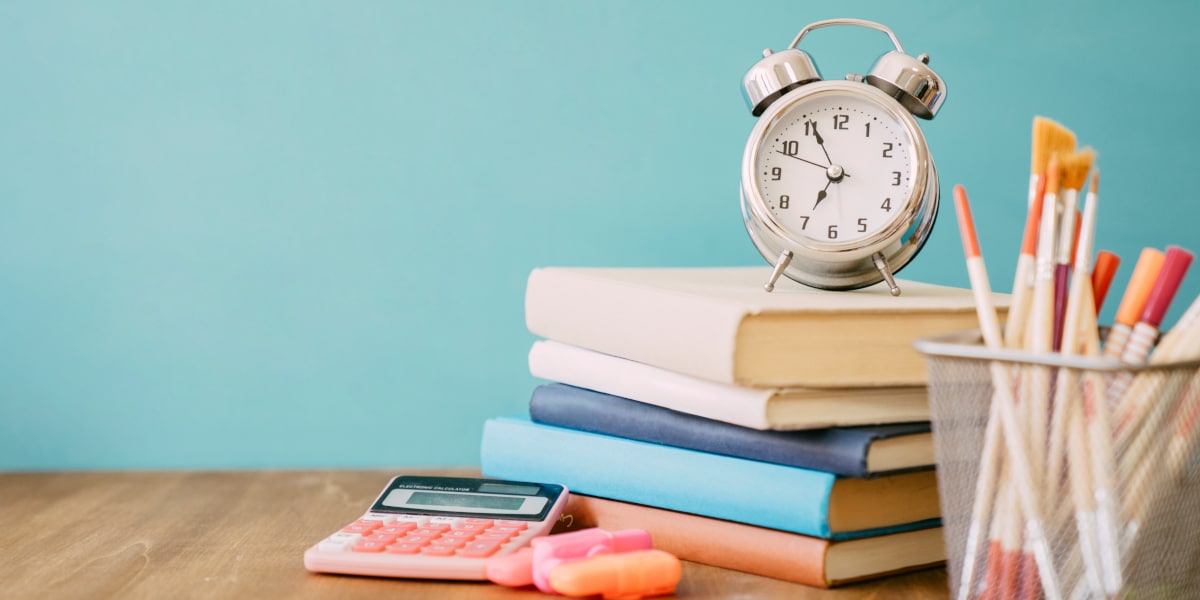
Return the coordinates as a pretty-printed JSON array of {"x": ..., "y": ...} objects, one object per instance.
[
  {"x": 575, "y": 366},
  {"x": 597, "y": 412},
  {"x": 685, "y": 333},
  {"x": 744, "y": 491}
]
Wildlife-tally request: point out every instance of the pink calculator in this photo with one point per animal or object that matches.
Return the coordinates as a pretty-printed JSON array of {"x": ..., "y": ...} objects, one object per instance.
[{"x": 439, "y": 528}]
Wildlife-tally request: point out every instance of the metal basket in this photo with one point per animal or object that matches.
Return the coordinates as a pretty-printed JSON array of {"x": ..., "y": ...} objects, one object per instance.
[{"x": 1110, "y": 502}]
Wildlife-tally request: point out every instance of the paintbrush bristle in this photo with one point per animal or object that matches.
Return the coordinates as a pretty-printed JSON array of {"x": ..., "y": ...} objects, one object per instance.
[
  {"x": 1075, "y": 167},
  {"x": 1049, "y": 137},
  {"x": 1053, "y": 174},
  {"x": 1094, "y": 187},
  {"x": 1065, "y": 141}
]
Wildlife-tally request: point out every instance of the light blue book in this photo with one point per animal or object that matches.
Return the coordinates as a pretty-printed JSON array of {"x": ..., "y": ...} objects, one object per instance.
[{"x": 804, "y": 501}]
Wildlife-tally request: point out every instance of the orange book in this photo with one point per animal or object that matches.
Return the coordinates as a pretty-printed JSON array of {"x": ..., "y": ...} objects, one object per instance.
[{"x": 783, "y": 555}]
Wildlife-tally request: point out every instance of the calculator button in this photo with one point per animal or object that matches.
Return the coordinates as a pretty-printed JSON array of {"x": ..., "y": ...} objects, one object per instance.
[
  {"x": 439, "y": 550},
  {"x": 449, "y": 542},
  {"x": 485, "y": 523},
  {"x": 460, "y": 534},
  {"x": 417, "y": 520},
  {"x": 437, "y": 526},
  {"x": 362, "y": 527},
  {"x": 509, "y": 531},
  {"x": 339, "y": 542},
  {"x": 430, "y": 531},
  {"x": 397, "y": 528},
  {"x": 369, "y": 546},
  {"x": 404, "y": 548},
  {"x": 479, "y": 549},
  {"x": 422, "y": 540},
  {"x": 386, "y": 538},
  {"x": 382, "y": 518},
  {"x": 472, "y": 528},
  {"x": 520, "y": 525},
  {"x": 448, "y": 521},
  {"x": 490, "y": 536}
]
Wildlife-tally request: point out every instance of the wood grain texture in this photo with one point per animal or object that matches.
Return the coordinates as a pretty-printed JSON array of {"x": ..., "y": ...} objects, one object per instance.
[{"x": 242, "y": 535}]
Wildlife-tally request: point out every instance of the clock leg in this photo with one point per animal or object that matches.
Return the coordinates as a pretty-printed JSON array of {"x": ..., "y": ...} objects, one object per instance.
[
  {"x": 883, "y": 267},
  {"x": 781, "y": 263}
]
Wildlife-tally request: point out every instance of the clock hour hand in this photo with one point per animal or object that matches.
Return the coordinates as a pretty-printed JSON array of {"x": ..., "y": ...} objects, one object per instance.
[
  {"x": 821, "y": 194},
  {"x": 820, "y": 141}
]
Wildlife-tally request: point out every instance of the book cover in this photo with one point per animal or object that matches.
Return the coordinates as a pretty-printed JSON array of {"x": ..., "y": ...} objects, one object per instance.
[
  {"x": 788, "y": 556},
  {"x": 802, "y": 501},
  {"x": 851, "y": 452},
  {"x": 719, "y": 324},
  {"x": 759, "y": 408}
]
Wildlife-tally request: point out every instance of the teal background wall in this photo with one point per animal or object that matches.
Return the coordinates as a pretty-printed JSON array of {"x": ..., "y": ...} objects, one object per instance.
[{"x": 296, "y": 234}]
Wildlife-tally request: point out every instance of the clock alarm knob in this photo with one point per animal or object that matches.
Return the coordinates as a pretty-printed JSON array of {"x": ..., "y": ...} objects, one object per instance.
[
  {"x": 910, "y": 81},
  {"x": 775, "y": 75}
]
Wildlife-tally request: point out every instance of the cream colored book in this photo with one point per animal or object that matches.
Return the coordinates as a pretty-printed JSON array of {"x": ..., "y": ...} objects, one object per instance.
[
  {"x": 717, "y": 323},
  {"x": 756, "y": 408}
]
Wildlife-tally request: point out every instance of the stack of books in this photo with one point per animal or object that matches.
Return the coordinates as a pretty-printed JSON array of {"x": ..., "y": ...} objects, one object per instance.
[{"x": 785, "y": 434}]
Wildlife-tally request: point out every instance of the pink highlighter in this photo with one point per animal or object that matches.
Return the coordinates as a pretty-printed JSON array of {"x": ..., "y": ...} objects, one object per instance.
[{"x": 533, "y": 564}]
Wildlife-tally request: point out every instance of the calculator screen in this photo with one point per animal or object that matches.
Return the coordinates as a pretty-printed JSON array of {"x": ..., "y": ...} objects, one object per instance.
[
  {"x": 412, "y": 494},
  {"x": 466, "y": 500}
]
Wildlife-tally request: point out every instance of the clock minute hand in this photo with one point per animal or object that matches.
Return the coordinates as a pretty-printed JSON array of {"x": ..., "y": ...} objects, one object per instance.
[{"x": 803, "y": 159}]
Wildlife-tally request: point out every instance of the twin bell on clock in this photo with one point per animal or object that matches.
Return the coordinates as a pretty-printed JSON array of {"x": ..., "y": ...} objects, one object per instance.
[{"x": 839, "y": 190}]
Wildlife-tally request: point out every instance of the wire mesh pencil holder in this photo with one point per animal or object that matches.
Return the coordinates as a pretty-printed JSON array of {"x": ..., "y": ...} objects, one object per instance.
[{"x": 1077, "y": 477}]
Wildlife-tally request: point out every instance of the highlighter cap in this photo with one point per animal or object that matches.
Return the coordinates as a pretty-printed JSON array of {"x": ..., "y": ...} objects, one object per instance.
[
  {"x": 1174, "y": 267},
  {"x": 623, "y": 576}
]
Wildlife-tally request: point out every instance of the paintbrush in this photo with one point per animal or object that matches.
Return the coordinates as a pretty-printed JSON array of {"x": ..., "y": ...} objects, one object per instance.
[
  {"x": 1075, "y": 169},
  {"x": 1019, "y": 459},
  {"x": 1069, "y": 431},
  {"x": 1049, "y": 138}
]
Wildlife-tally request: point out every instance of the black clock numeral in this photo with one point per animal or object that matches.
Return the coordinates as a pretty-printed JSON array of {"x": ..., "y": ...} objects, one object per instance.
[
  {"x": 887, "y": 149},
  {"x": 868, "y": 127},
  {"x": 784, "y": 201},
  {"x": 862, "y": 225},
  {"x": 809, "y": 128},
  {"x": 791, "y": 147},
  {"x": 895, "y": 177},
  {"x": 804, "y": 222},
  {"x": 831, "y": 233},
  {"x": 840, "y": 121},
  {"x": 776, "y": 173},
  {"x": 887, "y": 204}
]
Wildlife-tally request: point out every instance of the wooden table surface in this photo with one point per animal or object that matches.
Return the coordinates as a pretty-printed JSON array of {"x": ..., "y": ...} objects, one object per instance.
[{"x": 242, "y": 534}]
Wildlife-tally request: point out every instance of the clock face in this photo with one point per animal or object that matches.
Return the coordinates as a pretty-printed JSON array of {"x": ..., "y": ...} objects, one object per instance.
[{"x": 835, "y": 167}]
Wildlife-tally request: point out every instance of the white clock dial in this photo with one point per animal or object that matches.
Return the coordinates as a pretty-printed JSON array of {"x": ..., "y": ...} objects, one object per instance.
[{"x": 835, "y": 169}]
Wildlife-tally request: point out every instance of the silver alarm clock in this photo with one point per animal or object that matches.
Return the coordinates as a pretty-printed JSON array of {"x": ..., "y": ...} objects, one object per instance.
[{"x": 839, "y": 190}]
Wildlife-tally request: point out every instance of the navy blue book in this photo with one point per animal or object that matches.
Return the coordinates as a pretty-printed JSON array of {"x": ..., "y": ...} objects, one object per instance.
[{"x": 865, "y": 451}]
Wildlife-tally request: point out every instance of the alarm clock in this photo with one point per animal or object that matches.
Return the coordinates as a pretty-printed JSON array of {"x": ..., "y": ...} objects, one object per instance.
[{"x": 839, "y": 190}]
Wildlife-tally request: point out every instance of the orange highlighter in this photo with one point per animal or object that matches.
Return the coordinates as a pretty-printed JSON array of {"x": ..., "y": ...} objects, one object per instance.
[{"x": 622, "y": 576}]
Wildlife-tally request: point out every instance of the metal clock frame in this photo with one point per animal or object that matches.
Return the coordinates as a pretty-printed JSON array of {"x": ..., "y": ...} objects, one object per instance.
[{"x": 852, "y": 264}]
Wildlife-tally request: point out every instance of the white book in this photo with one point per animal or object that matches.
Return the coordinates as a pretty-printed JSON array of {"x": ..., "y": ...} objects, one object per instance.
[{"x": 757, "y": 408}]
